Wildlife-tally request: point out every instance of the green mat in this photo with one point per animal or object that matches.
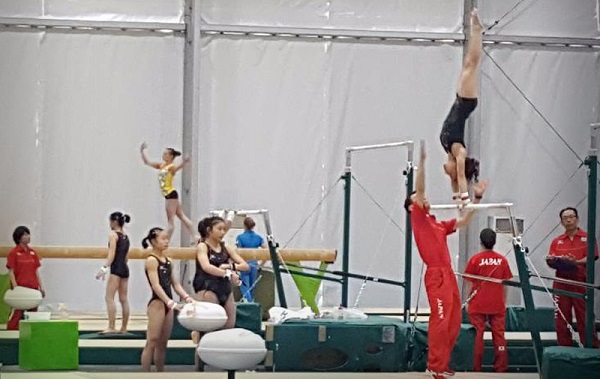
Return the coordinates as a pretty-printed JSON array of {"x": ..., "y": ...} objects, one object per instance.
[
  {"x": 377, "y": 344},
  {"x": 4, "y": 309},
  {"x": 249, "y": 316},
  {"x": 570, "y": 362},
  {"x": 48, "y": 345}
]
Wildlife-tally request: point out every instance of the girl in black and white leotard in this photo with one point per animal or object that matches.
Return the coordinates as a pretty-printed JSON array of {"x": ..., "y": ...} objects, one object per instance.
[
  {"x": 161, "y": 306},
  {"x": 116, "y": 264},
  {"x": 217, "y": 265}
]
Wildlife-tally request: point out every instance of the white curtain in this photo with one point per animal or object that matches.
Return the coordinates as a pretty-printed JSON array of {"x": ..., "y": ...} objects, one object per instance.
[
  {"x": 526, "y": 160},
  {"x": 75, "y": 108},
  {"x": 96, "y": 10},
  {"x": 547, "y": 18},
  {"x": 389, "y": 15},
  {"x": 278, "y": 115}
]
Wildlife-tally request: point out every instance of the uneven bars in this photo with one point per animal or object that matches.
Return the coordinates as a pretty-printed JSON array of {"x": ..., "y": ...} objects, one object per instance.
[
  {"x": 484, "y": 278},
  {"x": 567, "y": 281},
  {"x": 472, "y": 206},
  {"x": 351, "y": 149},
  {"x": 379, "y": 146},
  {"x": 512, "y": 283},
  {"x": 242, "y": 211}
]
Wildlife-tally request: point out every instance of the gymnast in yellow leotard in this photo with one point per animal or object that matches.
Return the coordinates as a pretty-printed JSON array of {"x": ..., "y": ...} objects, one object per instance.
[{"x": 166, "y": 171}]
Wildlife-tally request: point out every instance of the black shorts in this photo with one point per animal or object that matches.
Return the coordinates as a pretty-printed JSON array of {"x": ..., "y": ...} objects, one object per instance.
[
  {"x": 119, "y": 269},
  {"x": 453, "y": 130},
  {"x": 220, "y": 287},
  {"x": 172, "y": 195}
]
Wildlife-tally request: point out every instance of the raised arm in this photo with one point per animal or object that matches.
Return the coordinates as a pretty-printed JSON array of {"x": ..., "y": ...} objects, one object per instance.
[
  {"x": 180, "y": 165},
  {"x": 147, "y": 162},
  {"x": 467, "y": 215},
  {"x": 420, "y": 180}
]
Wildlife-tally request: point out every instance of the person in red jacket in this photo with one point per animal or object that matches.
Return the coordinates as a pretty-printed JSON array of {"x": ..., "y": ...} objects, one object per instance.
[
  {"x": 23, "y": 264},
  {"x": 488, "y": 300},
  {"x": 440, "y": 282},
  {"x": 568, "y": 256}
]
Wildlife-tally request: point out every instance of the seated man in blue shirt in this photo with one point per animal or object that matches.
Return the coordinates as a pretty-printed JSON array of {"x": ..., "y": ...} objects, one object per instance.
[{"x": 250, "y": 240}]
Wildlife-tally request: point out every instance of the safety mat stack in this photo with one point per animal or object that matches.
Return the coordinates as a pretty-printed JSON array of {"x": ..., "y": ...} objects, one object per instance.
[
  {"x": 377, "y": 344},
  {"x": 570, "y": 362}
]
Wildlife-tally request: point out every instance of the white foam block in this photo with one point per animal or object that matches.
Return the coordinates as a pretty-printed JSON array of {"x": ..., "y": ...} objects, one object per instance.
[
  {"x": 232, "y": 349},
  {"x": 23, "y": 298},
  {"x": 202, "y": 316}
]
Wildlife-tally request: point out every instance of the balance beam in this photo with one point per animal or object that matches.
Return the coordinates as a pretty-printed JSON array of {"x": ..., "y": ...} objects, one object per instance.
[{"x": 87, "y": 252}]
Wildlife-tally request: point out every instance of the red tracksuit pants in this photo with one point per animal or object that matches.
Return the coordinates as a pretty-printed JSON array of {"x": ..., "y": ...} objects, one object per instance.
[
  {"x": 497, "y": 324},
  {"x": 567, "y": 305},
  {"x": 17, "y": 315},
  {"x": 445, "y": 318}
]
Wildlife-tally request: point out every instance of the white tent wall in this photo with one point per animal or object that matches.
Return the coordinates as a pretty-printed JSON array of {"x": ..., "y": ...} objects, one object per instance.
[
  {"x": 75, "y": 108},
  {"x": 397, "y": 15},
  {"x": 279, "y": 114},
  {"x": 170, "y": 11},
  {"x": 547, "y": 18},
  {"x": 532, "y": 166}
]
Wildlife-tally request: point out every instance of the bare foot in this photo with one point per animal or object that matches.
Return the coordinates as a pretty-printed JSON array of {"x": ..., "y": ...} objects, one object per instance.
[
  {"x": 476, "y": 24},
  {"x": 123, "y": 331},
  {"x": 195, "y": 337},
  {"x": 109, "y": 331}
]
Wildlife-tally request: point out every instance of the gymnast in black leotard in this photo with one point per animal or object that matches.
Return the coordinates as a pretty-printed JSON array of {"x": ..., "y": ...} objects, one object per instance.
[
  {"x": 116, "y": 264},
  {"x": 460, "y": 168},
  {"x": 217, "y": 265},
  {"x": 161, "y": 305}
]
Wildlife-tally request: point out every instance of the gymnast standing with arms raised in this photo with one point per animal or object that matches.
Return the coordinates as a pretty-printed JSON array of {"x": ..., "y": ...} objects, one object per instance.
[{"x": 166, "y": 172}]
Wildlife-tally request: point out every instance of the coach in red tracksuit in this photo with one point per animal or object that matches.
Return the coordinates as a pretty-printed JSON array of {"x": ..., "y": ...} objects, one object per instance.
[
  {"x": 23, "y": 264},
  {"x": 568, "y": 256},
  {"x": 488, "y": 300},
  {"x": 440, "y": 281}
]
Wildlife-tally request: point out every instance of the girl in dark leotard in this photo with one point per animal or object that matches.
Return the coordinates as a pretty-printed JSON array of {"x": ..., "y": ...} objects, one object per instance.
[
  {"x": 161, "y": 306},
  {"x": 217, "y": 265},
  {"x": 460, "y": 168},
  {"x": 116, "y": 264}
]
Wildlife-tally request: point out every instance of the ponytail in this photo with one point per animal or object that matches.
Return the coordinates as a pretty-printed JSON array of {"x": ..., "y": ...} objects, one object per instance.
[
  {"x": 120, "y": 218},
  {"x": 152, "y": 234},
  {"x": 174, "y": 153}
]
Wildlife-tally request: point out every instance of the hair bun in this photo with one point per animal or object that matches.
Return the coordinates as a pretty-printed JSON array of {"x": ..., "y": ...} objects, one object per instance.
[{"x": 126, "y": 218}]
